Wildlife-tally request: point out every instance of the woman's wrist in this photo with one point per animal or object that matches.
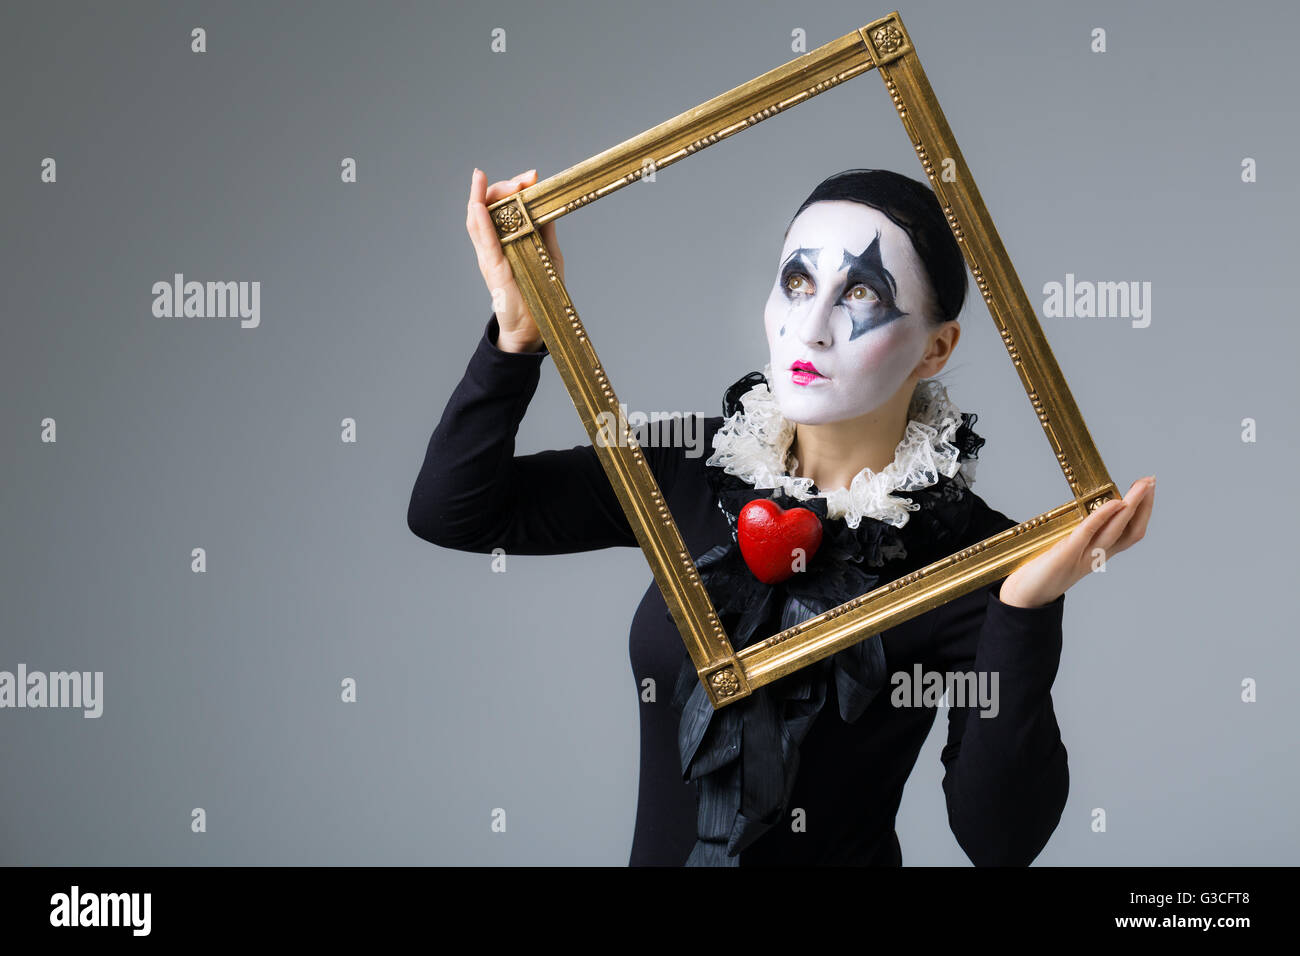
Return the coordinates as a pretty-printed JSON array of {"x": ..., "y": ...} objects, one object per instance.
[
  {"x": 1010, "y": 597},
  {"x": 508, "y": 345},
  {"x": 504, "y": 341}
]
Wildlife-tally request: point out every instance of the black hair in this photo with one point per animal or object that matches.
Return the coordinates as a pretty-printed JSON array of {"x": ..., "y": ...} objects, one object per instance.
[{"x": 914, "y": 208}]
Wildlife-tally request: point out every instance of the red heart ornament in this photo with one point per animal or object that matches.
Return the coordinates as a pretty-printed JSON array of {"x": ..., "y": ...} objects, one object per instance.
[{"x": 769, "y": 536}]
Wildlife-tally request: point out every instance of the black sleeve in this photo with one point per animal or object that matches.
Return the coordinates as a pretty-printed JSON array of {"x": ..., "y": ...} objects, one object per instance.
[
  {"x": 474, "y": 494},
  {"x": 1005, "y": 776}
]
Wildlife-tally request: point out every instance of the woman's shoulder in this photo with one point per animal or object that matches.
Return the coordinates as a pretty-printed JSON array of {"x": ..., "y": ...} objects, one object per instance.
[{"x": 671, "y": 441}]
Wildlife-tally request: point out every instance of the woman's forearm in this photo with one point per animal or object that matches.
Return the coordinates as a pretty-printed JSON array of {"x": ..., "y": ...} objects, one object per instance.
[{"x": 1007, "y": 775}]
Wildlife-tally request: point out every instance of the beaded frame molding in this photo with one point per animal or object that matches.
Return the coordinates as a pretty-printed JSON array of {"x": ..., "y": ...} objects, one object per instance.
[{"x": 885, "y": 46}]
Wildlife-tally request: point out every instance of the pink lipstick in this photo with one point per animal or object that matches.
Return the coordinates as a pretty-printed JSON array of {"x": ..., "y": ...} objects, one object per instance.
[{"x": 805, "y": 373}]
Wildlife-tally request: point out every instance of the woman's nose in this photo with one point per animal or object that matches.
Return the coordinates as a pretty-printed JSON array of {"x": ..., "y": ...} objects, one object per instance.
[{"x": 814, "y": 326}]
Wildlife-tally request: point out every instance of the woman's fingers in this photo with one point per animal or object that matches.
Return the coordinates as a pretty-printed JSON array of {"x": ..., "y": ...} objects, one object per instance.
[
  {"x": 487, "y": 248},
  {"x": 1112, "y": 539},
  {"x": 1103, "y": 528},
  {"x": 492, "y": 263},
  {"x": 1137, "y": 528},
  {"x": 484, "y": 195},
  {"x": 1090, "y": 527},
  {"x": 508, "y": 187},
  {"x": 476, "y": 214},
  {"x": 478, "y": 221}
]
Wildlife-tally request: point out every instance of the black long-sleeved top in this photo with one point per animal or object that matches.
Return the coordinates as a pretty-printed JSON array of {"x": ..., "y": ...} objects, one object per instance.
[{"x": 1006, "y": 776}]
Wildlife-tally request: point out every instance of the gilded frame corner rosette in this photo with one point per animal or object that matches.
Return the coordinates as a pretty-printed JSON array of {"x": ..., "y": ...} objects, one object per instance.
[{"x": 885, "y": 46}]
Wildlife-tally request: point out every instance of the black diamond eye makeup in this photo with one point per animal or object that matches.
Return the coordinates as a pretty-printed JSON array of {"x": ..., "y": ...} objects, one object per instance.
[{"x": 868, "y": 288}]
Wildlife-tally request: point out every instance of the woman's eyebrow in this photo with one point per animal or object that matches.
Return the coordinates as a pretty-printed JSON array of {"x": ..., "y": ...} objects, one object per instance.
[{"x": 809, "y": 256}]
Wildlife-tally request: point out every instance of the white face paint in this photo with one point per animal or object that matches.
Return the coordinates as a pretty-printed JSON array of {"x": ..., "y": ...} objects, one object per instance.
[{"x": 852, "y": 300}]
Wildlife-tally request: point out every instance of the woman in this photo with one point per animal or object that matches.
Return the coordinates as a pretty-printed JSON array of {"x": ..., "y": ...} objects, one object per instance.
[{"x": 810, "y": 768}]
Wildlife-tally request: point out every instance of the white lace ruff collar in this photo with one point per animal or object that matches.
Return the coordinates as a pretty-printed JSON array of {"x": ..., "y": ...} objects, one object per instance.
[{"x": 754, "y": 444}]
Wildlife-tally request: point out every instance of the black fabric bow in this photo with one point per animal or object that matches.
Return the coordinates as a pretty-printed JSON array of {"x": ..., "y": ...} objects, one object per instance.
[{"x": 744, "y": 758}]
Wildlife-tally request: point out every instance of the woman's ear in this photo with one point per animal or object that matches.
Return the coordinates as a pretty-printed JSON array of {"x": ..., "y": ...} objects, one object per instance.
[{"x": 942, "y": 342}]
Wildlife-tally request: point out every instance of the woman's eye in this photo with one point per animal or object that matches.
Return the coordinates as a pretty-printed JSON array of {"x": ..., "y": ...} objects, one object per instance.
[{"x": 797, "y": 282}]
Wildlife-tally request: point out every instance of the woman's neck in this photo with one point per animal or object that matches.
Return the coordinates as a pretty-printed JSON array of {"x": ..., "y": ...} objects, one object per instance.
[{"x": 833, "y": 454}]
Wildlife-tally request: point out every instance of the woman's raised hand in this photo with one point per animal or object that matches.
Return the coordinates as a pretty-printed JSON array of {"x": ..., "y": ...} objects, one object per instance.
[
  {"x": 518, "y": 331},
  {"x": 1114, "y": 527}
]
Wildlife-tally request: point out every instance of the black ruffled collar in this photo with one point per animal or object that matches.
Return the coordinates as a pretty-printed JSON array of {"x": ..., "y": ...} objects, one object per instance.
[{"x": 744, "y": 757}]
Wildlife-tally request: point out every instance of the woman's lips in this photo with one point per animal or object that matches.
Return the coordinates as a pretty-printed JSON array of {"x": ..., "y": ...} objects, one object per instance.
[{"x": 805, "y": 373}]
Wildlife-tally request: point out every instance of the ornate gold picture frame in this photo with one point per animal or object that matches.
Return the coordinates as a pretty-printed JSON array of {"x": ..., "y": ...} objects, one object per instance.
[{"x": 885, "y": 46}]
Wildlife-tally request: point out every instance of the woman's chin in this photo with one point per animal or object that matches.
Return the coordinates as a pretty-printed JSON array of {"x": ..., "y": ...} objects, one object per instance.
[{"x": 805, "y": 409}]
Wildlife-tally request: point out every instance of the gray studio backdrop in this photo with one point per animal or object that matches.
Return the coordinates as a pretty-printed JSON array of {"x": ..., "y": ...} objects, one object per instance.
[{"x": 478, "y": 690}]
